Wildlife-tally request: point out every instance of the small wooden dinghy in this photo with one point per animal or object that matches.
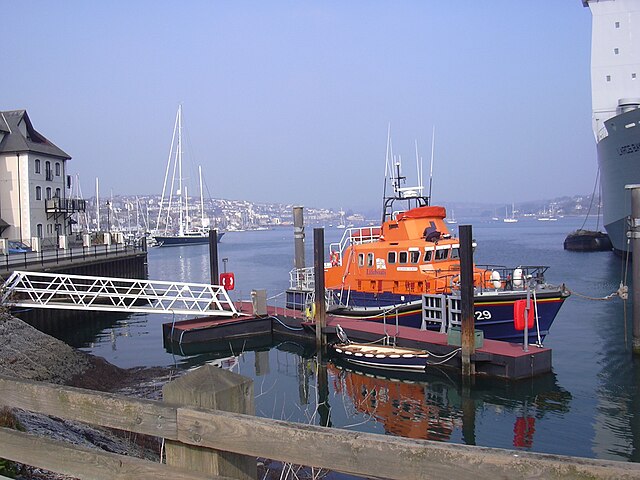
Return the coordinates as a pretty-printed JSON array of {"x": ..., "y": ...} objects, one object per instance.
[
  {"x": 386, "y": 357},
  {"x": 381, "y": 356}
]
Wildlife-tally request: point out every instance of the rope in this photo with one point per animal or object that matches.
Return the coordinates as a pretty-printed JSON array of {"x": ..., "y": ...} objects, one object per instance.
[
  {"x": 449, "y": 356},
  {"x": 593, "y": 194},
  {"x": 622, "y": 292},
  {"x": 381, "y": 314},
  {"x": 285, "y": 325},
  {"x": 446, "y": 355}
]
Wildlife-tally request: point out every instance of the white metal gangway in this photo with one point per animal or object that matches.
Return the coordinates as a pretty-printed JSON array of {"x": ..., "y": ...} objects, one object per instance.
[{"x": 108, "y": 294}]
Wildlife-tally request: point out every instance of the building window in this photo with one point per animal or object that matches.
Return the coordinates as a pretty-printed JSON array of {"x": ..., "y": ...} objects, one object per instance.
[
  {"x": 608, "y": 78},
  {"x": 38, "y": 193},
  {"x": 58, "y": 228},
  {"x": 616, "y": 51},
  {"x": 47, "y": 170},
  {"x": 617, "y": 24},
  {"x": 39, "y": 230},
  {"x": 57, "y": 193},
  {"x": 37, "y": 165},
  {"x": 48, "y": 193},
  {"x": 58, "y": 167},
  {"x": 633, "y": 76}
]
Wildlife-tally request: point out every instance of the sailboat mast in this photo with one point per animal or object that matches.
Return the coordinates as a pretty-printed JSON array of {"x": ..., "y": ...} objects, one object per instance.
[
  {"x": 201, "y": 197},
  {"x": 98, "y": 203},
  {"x": 166, "y": 176},
  {"x": 181, "y": 231},
  {"x": 187, "y": 220}
]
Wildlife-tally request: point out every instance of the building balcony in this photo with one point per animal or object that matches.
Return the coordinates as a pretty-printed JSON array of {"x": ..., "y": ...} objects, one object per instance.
[{"x": 66, "y": 206}]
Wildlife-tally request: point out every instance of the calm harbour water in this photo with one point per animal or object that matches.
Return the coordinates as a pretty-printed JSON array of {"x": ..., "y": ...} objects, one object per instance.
[{"x": 589, "y": 406}]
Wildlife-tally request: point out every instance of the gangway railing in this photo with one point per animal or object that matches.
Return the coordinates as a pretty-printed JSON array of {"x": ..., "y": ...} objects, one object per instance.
[{"x": 108, "y": 294}]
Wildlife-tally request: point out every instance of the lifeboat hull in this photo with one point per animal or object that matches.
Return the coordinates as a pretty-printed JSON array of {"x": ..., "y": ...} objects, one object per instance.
[{"x": 493, "y": 312}]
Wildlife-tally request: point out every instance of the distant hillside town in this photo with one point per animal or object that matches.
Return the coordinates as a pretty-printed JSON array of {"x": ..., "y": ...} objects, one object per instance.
[{"x": 134, "y": 212}]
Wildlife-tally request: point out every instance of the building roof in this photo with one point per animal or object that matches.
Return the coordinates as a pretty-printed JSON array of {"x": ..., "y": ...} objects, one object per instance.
[{"x": 15, "y": 142}]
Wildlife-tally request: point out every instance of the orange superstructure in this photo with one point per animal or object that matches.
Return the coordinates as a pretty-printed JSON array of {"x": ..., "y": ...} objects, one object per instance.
[{"x": 411, "y": 253}]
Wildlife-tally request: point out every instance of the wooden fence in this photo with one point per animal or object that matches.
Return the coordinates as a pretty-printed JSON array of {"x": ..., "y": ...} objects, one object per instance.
[{"x": 238, "y": 438}]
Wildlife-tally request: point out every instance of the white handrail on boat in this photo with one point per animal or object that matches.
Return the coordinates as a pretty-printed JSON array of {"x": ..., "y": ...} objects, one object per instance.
[
  {"x": 302, "y": 279},
  {"x": 354, "y": 236}
]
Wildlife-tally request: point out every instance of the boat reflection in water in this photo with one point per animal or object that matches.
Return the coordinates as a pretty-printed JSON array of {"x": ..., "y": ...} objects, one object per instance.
[{"x": 435, "y": 406}]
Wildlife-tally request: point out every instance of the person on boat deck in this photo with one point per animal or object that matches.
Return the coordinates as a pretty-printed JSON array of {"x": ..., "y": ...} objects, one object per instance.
[{"x": 430, "y": 233}]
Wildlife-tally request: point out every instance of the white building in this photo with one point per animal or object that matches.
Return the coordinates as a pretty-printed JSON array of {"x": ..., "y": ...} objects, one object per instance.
[
  {"x": 615, "y": 56},
  {"x": 33, "y": 182}
]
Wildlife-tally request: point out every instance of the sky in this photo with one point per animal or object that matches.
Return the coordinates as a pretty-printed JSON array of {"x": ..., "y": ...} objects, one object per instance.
[{"x": 290, "y": 101}]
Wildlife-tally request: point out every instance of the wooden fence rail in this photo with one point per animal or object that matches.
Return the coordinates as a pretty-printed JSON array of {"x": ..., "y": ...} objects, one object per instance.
[{"x": 355, "y": 453}]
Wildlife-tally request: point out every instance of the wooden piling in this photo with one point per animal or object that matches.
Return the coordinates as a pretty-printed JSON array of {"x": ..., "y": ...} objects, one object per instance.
[
  {"x": 211, "y": 388},
  {"x": 466, "y": 302},
  {"x": 214, "y": 269},
  {"x": 318, "y": 272}
]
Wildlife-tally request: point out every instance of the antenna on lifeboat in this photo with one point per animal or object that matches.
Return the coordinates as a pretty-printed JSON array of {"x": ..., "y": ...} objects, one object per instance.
[
  {"x": 418, "y": 167},
  {"x": 388, "y": 171},
  {"x": 433, "y": 142},
  {"x": 399, "y": 178}
]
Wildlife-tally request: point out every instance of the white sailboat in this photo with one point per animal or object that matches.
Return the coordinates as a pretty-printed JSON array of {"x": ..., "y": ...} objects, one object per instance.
[
  {"x": 342, "y": 223},
  {"x": 185, "y": 233},
  {"x": 452, "y": 220},
  {"x": 507, "y": 218}
]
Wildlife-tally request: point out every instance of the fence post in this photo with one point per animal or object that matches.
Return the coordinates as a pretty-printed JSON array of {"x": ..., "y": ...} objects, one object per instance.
[{"x": 215, "y": 388}]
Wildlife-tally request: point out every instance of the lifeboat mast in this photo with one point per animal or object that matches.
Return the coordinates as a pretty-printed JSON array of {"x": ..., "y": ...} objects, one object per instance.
[{"x": 411, "y": 196}]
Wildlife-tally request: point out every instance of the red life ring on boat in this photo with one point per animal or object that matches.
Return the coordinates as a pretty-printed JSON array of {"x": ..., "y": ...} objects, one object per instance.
[
  {"x": 334, "y": 259},
  {"x": 519, "y": 308}
]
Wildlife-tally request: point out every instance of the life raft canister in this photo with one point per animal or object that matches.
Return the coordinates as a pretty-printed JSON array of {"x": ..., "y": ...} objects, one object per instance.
[
  {"x": 495, "y": 279},
  {"x": 518, "y": 278}
]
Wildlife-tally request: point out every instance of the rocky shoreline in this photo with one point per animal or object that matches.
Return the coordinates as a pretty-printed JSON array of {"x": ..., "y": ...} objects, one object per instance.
[{"x": 27, "y": 353}]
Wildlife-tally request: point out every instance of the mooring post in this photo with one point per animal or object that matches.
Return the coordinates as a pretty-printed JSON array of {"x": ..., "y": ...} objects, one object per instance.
[
  {"x": 466, "y": 301},
  {"x": 634, "y": 236},
  {"x": 318, "y": 274},
  {"x": 215, "y": 388},
  {"x": 298, "y": 237},
  {"x": 213, "y": 257}
]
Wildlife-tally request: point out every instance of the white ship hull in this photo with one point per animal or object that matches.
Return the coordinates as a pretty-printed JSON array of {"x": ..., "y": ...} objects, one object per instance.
[{"x": 619, "y": 163}]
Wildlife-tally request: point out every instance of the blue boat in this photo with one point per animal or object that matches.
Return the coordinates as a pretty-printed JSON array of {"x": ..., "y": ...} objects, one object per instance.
[{"x": 494, "y": 311}]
